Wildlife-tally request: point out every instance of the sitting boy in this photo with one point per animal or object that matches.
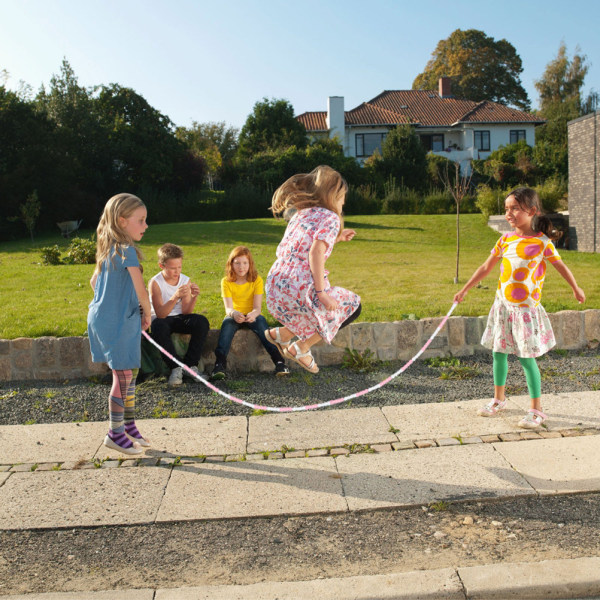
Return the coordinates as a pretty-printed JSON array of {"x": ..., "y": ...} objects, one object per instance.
[{"x": 173, "y": 297}]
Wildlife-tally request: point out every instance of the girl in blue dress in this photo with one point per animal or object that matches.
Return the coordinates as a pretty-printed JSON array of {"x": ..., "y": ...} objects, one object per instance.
[{"x": 114, "y": 324}]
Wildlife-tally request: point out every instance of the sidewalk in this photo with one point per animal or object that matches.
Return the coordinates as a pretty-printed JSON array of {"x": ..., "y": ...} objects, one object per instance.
[{"x": 309, "y": 463}]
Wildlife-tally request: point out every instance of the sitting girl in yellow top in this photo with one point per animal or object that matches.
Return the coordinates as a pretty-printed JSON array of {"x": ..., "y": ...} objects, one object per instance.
[{"x": 242, "y": 290}]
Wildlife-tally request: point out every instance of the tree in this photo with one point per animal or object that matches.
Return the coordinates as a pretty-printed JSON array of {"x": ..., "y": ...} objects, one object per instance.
[
  {"x": 459, "y": 185},
  {"x": 481, "y": 68},
  {"x": 561, "y": 100},
  {"x": 215, "y": 143},
  {"x": 271, "y": 126}
]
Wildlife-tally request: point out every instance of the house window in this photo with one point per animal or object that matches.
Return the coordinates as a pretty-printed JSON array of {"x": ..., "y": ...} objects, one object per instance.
[
  {"x": 482, "y": 141},
  {"x": 516, "y": 135},
  {"x": 367, "y": 143},
  {"x": 434, "y": 142}
]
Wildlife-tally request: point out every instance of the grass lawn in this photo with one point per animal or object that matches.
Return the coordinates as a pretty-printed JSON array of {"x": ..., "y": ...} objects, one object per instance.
[{"x": 399, "y": 264}]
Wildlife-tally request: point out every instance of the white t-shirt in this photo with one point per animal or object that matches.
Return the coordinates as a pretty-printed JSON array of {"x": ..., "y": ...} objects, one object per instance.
[{"x": 167, "y": 291}]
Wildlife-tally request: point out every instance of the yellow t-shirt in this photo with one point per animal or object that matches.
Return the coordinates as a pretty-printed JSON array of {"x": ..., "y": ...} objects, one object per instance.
[{"x": 242, "y": 295}]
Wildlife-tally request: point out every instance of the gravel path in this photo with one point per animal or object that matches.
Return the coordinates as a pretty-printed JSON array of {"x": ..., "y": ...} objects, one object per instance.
[{"x": 86, "y": 400}]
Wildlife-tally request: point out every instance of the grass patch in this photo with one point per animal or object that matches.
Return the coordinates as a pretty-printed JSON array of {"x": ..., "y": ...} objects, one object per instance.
[
  {"x": 401, "y": 246},
  {"x": 452, "y": 368}
]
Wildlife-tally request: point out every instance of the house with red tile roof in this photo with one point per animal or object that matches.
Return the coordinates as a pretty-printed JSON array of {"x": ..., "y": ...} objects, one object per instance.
[{"x": 458, "y": 129}]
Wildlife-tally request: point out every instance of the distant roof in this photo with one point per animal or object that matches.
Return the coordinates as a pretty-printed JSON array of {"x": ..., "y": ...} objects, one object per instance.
[{"x": 421, "y": 107}]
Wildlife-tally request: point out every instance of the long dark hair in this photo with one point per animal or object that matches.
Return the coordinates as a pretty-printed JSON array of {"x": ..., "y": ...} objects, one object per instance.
[{"x": 527, "y": 199}]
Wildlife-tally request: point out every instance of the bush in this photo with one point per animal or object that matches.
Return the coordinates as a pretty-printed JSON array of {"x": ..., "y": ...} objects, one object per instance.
[
  {"x": 362, "y": 200},
  {"x": 553, "y": 194},
  {"x": 438, "y": 203},
  {"x": 81, "y": 252},
  {"x": 51, "y": 255},
  {"x": 490, "y": 201}
]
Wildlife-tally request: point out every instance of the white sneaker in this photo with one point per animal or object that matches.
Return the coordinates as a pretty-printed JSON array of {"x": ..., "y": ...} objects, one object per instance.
[
  {"x": 176, "y": 376},
  {"x": 196, "y": 372}
]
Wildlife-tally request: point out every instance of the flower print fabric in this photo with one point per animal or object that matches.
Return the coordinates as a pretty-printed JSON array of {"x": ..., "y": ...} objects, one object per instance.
[
  {"x": 517, "y": 322},
  {"x": 290, "y": 289}
]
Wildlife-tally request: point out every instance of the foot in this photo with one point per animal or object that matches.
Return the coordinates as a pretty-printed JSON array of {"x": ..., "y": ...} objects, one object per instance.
[
  {"x": 274, "y": 336},
  {"x": 533, "y": 419},
  {"x": 134, "y": 435},
  {"x": 176, "y": 376},
  {"x": 492, "y": 408},
  {"x": 304, "y": 359},
  {"x": 196, "y": 372},
  {"x": 121, "y": 443},
  {"x": 218, "y": 372},
  {"x": 281, "y": 369}
]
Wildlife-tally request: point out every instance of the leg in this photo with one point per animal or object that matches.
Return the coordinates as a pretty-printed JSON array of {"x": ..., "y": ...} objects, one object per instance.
[
  {"x": 116, "y": 438},
  {"x": 228, "y": 329},
  {"x": 534, "y": 417},
  {"x": 534, "y": 381},
  {"x": 303, "y": 347},
  {"x": 197, "y": 326},
  {"x": 500, "y": 373},
  {"x": 258, "y": 327},
  {"x": 160, "y": 331},
  {"x": 130, "y": 428}
]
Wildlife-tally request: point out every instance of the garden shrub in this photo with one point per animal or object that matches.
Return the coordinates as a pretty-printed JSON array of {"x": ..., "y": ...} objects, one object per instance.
[
  {"x": 81, "y": 252},
  {"x": 51, "y": 255},
  {"x": 553, "y": 193},
  {"x": 490, "y": 201},
  {"x": 362, "y": 200}
]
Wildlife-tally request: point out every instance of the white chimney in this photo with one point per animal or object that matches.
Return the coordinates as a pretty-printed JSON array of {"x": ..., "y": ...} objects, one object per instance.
[{"x": 336, "y": 120}]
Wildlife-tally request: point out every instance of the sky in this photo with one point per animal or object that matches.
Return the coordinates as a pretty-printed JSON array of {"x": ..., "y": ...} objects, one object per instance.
[{"x": 202, "y": 60}]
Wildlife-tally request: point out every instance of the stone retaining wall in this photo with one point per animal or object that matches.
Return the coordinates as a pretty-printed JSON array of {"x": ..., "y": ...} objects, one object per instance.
[{"x": 69, "y": 358}]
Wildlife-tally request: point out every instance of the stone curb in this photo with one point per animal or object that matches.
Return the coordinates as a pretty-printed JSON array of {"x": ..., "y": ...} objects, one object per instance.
[
  {"x": 69, "y": 358},
  {"x": 178, "y": 461},
  {"x": 552, "y": 579}
]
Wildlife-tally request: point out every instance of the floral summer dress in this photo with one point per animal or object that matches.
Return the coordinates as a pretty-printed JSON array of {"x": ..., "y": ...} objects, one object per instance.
[
  {"x": 290, "y": 289},
  {"x": 517, "y": 323}
]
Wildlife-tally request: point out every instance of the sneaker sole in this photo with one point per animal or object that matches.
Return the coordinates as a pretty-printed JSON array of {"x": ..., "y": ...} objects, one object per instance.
[
  {"x": 144, "y": 443},
  {"x": 282, "y": 374},
  {"x": 109, "y": 443}
]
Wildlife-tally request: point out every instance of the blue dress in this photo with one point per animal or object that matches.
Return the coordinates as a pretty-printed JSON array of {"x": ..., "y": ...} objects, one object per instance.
[{"x": 114, "y": 323}]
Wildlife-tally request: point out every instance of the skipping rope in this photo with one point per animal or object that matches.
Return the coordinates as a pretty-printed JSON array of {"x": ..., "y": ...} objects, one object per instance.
[{"x": 308, "y": 406}]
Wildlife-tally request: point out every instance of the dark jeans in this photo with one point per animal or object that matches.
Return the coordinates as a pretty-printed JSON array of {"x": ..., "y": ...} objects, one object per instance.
[
  {"x": 194, "y": 324},
  {"x": 229, "y": 329}
]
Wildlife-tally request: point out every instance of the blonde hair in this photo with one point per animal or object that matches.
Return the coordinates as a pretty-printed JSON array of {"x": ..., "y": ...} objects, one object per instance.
[
  {"x": 236, "y": 253},
  {"x": 168, "y": 251},
  {"x": 321, "y": 187},
  {"x": 111, "y": 238}
]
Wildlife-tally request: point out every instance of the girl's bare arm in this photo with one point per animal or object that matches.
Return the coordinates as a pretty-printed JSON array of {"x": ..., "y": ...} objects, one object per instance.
[
  {"x": 142, "y": 294},
  {"x": 316, "y": 261},
  {"x": 560, "y": 266},
  {"x": 481, "y": 273}
]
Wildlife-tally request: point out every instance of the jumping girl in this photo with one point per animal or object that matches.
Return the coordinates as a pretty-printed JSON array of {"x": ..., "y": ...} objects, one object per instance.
[
  {"x": 299, "y": 294},
  {"x": 114, "y": 325},
  {"x": 517, "y": 323}
]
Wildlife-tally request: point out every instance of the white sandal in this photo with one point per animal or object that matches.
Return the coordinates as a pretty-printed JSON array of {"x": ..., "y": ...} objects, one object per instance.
[
  {"x": 277, "y": 341},
  {"x": 311, "y": 367},
  {"x": 533, "y": 419},
  {"x": 492, "y": 408}
]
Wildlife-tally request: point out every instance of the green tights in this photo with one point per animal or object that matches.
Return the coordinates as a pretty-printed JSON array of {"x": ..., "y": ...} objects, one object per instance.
[{"x": 532, "y": 373}]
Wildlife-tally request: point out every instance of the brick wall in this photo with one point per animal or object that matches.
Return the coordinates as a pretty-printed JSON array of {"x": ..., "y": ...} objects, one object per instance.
[
  {"x": 68, "y": 358},
  {"x": 584, "y": 183}
]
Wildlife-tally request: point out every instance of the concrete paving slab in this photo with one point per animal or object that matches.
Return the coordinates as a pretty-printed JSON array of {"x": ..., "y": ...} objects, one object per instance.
[
  {"x": 319, "y": 428},
  {"x": 52, "y": 442},
  {"x": 250, "y": 489},
  {"x": 81, "y": 498},
  {"x": 103, "y": 595},
  {"x": 571, "y": 578},
  {"x": 445, "y": 420},
  {"x": 190, "y": 437},
  {"x": 568, "y": 411},
  {"x": 415, "y": 477},
  {"x": 4, "y": 477},
  {"x": 415, "y": 585},
  {"x": 557, "y": 465}
]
